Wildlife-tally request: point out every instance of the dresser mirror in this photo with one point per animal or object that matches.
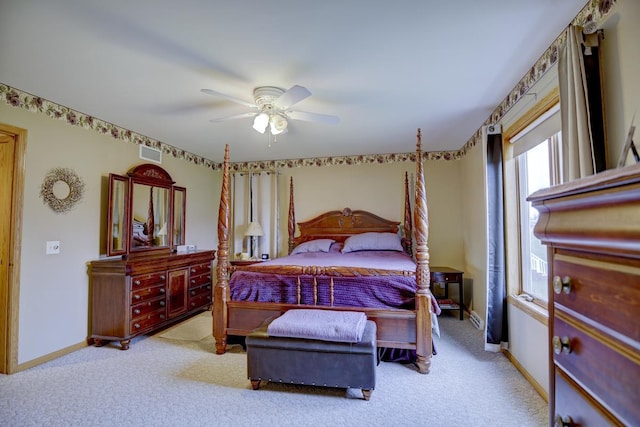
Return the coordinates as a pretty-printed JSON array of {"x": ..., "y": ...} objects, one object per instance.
[{"x": 146, "y": 212}]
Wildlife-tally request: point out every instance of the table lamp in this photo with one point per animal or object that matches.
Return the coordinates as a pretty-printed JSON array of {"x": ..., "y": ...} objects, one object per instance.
[{"x": 254, "y": 230}]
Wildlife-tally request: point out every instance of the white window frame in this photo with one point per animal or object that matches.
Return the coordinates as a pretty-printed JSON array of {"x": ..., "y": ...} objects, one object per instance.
[
  {"x": 537, "y": 124},
  {"x": 526, "y": 257}
]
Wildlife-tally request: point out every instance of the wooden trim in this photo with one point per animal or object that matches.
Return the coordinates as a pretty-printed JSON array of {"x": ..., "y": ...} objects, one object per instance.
[
  {"x": 532, "y": 309},
  {"x": 535, "y": 384},
  {"x": 51, "y": 356},
  {"x": 533, "y": 113},
  {"x": 10, "y": 363}
]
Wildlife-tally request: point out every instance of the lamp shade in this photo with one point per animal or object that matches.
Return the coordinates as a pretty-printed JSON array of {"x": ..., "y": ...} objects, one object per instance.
[
  {"x": 254, "y": 229},
  {"x": 261, "y": 122},
  {"x": 278, "y": 124}
]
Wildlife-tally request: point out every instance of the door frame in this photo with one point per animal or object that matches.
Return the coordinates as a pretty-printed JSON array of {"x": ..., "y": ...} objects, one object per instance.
[{"x": 10, "y": 293}]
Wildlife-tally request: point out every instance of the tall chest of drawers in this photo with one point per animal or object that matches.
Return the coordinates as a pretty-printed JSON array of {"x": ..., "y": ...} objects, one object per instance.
[
  {"x": 592, "y": 229},
  {"x": 142, "y": 294}
]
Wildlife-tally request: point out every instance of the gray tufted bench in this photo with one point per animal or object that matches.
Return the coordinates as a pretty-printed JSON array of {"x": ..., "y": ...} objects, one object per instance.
[{"x": 301, "y": 359}]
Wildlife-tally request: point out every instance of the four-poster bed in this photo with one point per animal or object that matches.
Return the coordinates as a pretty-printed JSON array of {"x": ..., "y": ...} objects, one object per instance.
[{"x": 387, "y": 285}]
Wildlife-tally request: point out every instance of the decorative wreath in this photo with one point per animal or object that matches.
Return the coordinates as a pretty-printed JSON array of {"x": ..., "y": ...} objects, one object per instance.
[{"x": 69, "y": 177}]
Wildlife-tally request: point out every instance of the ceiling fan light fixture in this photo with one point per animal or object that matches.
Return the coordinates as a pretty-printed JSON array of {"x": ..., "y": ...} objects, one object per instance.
[
  {"x": 278, "y": 124},
  {"x": 261, "y": 122}
]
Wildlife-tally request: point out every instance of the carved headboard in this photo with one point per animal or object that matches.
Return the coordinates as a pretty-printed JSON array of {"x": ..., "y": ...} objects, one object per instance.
[{"x": 339, "y": 225}]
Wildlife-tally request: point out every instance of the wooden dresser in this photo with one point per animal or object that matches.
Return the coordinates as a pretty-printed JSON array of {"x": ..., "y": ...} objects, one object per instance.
[
  {"x": 144, "y": 293},
  {"x": 592, "y": 229}
]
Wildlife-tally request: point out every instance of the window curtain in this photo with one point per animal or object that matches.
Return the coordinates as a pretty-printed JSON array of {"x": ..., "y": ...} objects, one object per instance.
[
  {"x": 497, "y": 332},
  {"x": 254, "y": 198},
  {"x": 583, "y": 148}
]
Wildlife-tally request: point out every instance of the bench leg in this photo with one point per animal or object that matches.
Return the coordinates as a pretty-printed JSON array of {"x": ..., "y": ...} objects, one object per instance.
[
  {"x": 255, "y": 384},
  {"x": 366, "y": 393}
]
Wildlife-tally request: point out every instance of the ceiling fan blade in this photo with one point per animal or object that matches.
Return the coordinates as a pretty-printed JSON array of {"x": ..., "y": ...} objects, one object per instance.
[
  {"x": 229, "y": 97},
  {"x": 291, "y": 97},
  {"x": 234, "y": 117},
  {"x": 313, "y": 117}
]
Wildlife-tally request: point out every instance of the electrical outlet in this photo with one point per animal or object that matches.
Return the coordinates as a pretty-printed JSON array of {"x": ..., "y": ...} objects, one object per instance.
[{"x": 53, "y": 247}]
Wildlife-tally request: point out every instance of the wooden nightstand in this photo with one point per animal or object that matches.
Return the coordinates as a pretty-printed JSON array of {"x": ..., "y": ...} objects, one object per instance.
[
  {"x": 237, "y": 262},
  {"x": 446, "y": 276}
]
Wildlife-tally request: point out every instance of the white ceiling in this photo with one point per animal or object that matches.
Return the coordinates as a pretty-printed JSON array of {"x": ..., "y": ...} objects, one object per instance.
[{"x": 385, "y": 68}]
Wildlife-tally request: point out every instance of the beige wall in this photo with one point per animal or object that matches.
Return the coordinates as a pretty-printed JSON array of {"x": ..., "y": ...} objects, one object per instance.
[
  {"x": 528, "y": 340},
  {"x": 54, "y": 293},
  {"x": 379, "y": 188},
  {"x": 474, "y": 225},
  {"x": 54, "y": 297},
  {"x": 621, "y": 76}
]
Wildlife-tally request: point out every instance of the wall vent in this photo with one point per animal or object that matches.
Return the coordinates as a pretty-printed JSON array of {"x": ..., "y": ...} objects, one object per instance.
[
  {"x": 150, "y": 154},
  {"x": 476, "y": 320}
]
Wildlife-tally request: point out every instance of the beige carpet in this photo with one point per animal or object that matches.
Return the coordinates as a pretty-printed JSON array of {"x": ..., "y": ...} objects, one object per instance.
[
  {"x": 195, "y": 329},
  {"x": 175, "y": 382}
]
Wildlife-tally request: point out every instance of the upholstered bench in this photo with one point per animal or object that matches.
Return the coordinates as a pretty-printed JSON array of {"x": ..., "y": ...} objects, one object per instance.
[{"x": 314, "y": 347}]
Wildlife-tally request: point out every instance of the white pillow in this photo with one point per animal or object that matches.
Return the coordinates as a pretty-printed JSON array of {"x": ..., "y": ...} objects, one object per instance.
[
  {"x": 373, "y": 242},
  {"x": 318, "y": 245}
]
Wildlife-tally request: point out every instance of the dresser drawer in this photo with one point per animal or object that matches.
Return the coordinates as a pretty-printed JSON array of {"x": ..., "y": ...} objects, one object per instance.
[
  {"x": 200, "y": 269},
  {"x": 570, "y": 402},
  {"x": 610, "y": 376},
  {"x": 145, "y": 294},
  {"x": 147, "y": 307},
  {"x": 606, "y": 293},
  {"x": 197, "y": 281},
  {"x": 147, "y": 321},
  {"x": 201, "y": 299},
  {"x": 145, "y": 280},
  {"x": 439, "y": 277},
  {"x": 200, "y": 290}
]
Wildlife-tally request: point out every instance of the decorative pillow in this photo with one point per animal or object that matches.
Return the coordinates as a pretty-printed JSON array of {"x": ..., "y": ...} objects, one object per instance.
[
  {"x": 318, "y": 245},
  {"x": 373, "y": 242},
  {"x": 336, "y": 247}
]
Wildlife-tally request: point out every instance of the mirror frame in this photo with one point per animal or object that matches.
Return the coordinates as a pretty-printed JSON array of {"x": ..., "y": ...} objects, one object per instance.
[
  {"x": 179, "y": 212},
  {"x": 153, "y": 176},
  {"x": 113, "y": 219}
]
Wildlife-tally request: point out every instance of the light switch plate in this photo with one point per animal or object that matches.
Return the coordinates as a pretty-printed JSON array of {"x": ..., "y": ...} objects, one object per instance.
[{"x": 53, "y": 247}]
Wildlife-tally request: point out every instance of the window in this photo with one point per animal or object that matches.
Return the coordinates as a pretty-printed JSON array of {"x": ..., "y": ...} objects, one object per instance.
[
  {"x": 536, "y": 169},
  {"x": 532, "y": 159}
]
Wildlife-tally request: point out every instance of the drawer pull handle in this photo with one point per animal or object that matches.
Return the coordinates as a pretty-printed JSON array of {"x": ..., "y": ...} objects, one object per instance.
[
  {"x": 562, "y": 422},
  {"x": 136, "y": 325},
  {"x": 136, "y": 297},
  {"x": 562, "y": 285},
  {"x": 136, "y": 311},
  {"x": 163, "y": 277},
  {"x": 561, "y": 345},
  {"x": 193, "y": 293},
  {"x": 162, "y": 316},
  {"x": 162, "y": 290},
  {"x": 193, "y": 282},
  {"x": 137, "y": 282},
  {"x": 162, "y": 303}
]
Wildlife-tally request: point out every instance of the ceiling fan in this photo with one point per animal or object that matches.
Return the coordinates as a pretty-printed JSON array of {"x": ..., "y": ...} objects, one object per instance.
[{"x": 272, "y": 107}]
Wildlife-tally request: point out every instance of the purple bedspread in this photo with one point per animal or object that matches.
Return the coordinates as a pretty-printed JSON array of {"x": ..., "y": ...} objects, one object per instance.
[
  {"x": 392, "y": 291},
  {"x": 395, "y": 291}
]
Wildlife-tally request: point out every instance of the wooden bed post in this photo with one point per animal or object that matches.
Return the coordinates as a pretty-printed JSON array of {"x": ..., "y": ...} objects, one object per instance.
[
  {"x": 408, "y": 243},
  {"x": 292, "y": 218},
  {"x": 423, "y": 299},
  {"x": 221, "y": 290}
]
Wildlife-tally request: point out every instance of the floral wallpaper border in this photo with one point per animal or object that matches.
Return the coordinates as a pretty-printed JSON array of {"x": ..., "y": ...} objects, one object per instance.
[{"x": 594, "y": 11}]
